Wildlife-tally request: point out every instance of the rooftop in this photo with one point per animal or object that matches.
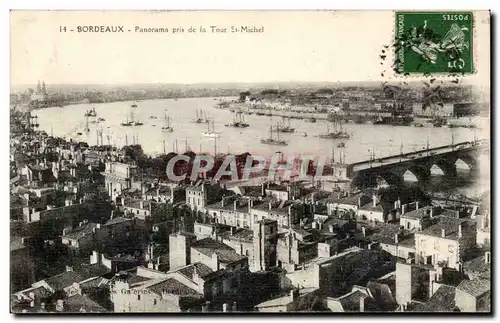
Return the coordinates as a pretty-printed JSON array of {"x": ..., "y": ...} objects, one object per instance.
[
  {"x": 67, "y": 278},
  {"x": 450, "y": 226},
  {"x": 81, "y": 231},
  {"x": 78, "y": 303},
  {"x": 225, "y": 254},
  {"x": 475, "y": 287},
  {"x": 443, "y": 300},
  {"x": 418, "y": 214},
  {"x": 172, "y": 286}
]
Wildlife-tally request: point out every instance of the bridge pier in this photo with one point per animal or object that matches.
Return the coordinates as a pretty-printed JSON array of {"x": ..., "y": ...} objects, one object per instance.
[{"x": 449, "y": 168}]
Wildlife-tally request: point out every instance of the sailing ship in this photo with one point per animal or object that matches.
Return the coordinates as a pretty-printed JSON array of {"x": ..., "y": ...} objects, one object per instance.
[
  {"x": 201, "y": 117},
  {"x": 285, "y": 128},
  {"x": 338, "y": 131},
  {"x": 211, "y": 133},
  {"x": 131, "y": 122},
  {"x": 238, "y": 121},
  {"x": 272, "y": 141},
  {"x": 91, "y": 113},
  {"x": 167, "y": 126}
]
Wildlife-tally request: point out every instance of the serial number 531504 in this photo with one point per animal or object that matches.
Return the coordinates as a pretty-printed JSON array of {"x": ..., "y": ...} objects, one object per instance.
[{"x": 455, "y": 17}]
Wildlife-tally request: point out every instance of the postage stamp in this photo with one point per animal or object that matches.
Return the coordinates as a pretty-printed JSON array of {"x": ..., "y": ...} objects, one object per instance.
[{"x": 434, "y": 42}]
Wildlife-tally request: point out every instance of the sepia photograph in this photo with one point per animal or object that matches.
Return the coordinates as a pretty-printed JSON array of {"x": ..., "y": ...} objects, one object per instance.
[{"x": 327, "y": 161}]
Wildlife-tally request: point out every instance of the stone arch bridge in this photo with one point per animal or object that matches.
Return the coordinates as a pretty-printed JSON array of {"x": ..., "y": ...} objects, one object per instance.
[{"x": 393, "y": 168}]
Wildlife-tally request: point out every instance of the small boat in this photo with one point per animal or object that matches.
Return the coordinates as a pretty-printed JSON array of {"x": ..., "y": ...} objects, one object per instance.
[
  {"x": 305, "y": 134},
  {"x": 201, "y": 117},
  {"x": 341, "y": 145},
  {"x": 91, "y": 113},
  {"x": 138, "y": 123},
  {"x": 272, "y": 141},
  {"x": 211, "y": 133},
  {"x": 338, "y": 132},
  {"x": 311, "y": 120},
  {"x": 134, "y": 105},
  {"x": 101, "y": 119},
  {"x": 285, "y": 128},
  {"x": 79, "y": 133},
  {"x": 153, "y": 117},
  {"x": 167, "y": 126},
  {"x": 238, "y": 122}
]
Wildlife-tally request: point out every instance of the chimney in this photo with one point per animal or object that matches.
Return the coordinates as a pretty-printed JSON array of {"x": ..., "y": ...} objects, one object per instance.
[
  {"x": 416, "y": 205},
  {"x": 223, "y": 201},
  {"x": 396, "y": 238},
  {"x": 374, "y": 199},
  {"x": 460, "y": 230},
  {"x": 487, "y": 257},
  {"x": 330, "y": 228},
  {"x": 315, "y": 225},
  {"x": 270, "y": 206},
  {"x": 60, "y": 305},
  {"x": 403, "y": 209},
  {"x": 224, "y": 307},
  {"x": 362, "y": 304},
  {"x": 112, "y": 215},
  {"x": 32, "y": 304},
  {"x": 250, "y": 205},
  {"x": 443, "y": 233},
  {"x": 98, "y": 226},
  {"x": 235, "y": 204},
  {"x": 431, "y": 213},
  {"x": 359, "y": 201},
  {"x": 262, "y": 190},
  {"x": 363, "y": 230},
  {"x": 69, "y": 268},
  {"x": 294, "y": 293},
  {"x": 232, "y": 230}
]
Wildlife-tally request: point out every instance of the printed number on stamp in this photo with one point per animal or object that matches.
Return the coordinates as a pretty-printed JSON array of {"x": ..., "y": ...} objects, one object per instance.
[{"x": 434, "y": 42}]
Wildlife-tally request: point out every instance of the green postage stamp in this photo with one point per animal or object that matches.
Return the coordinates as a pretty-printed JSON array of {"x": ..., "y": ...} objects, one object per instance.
[{"x": 434, "y": 42}]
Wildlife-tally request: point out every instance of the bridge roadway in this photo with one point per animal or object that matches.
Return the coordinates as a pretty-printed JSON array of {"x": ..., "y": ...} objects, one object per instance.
[{"x": 394, "y": 160}]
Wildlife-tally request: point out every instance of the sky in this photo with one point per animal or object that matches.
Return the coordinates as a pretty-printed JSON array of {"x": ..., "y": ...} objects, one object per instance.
[{"x": 312, "y": 46}]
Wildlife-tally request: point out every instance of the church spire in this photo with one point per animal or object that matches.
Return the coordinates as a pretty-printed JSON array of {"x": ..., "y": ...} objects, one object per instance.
[
  {"x": 38, "y": 87},
  {"x": 43, "y": 88}
]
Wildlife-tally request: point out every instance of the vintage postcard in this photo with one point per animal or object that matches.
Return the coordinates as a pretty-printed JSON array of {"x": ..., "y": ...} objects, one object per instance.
[{"x": 250, "y": 161}]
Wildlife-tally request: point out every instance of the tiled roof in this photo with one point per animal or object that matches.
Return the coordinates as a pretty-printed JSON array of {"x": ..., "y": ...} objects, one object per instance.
[
  {"x": 349, "y": 200},
  {"x": 443, "y": 300},
  {"x": 201, "y": 269},
  {"x": 351, "y": 302},
  {"x": 82, "y": 304},
  {"x": 224, "y": 253},
  {"x": 67, "y": 278},
  {"x": 418, "y": 214},
  {"x": 475, "y": 287},
  {"x": 450, "y": 225},
  {"x": 477, "y": 264},
  {"x": 117, "y": 220},
  {"x": 172, "y": 286},
  {"x": 284, "y": 300},
  {"x": 81, "y": 231}
]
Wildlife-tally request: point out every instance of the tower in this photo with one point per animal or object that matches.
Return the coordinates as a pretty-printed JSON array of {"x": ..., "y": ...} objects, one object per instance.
[
  {"x": 38, "y": 87},
  {"x": 264, "y": 244},
  {"x": 44, "y": 91},
  {"x": 180, "y": 249}
]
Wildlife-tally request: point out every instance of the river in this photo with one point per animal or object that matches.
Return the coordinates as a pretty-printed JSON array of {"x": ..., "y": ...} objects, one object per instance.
[{"x": 383, "y": 140}]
